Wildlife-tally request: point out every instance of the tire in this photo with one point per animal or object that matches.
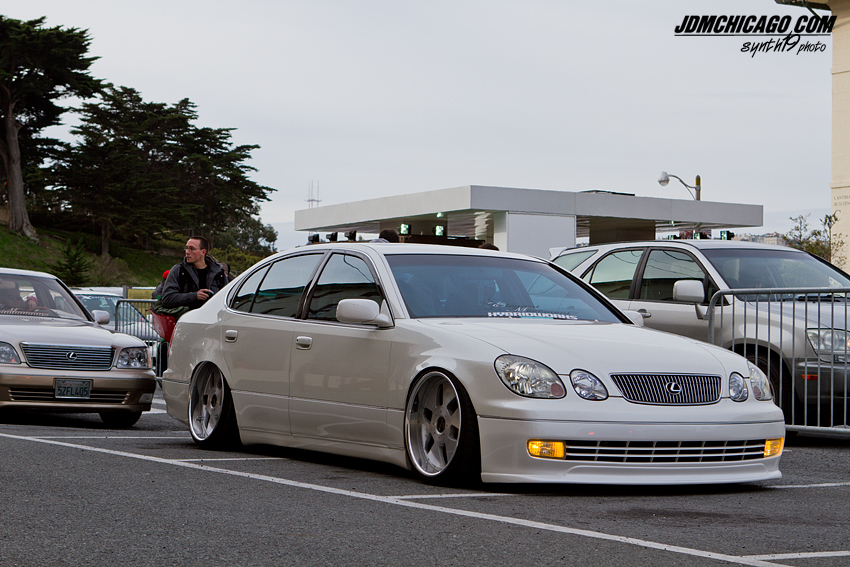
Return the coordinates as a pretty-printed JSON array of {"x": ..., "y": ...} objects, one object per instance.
[
  {"x": 120, "y": 419},
  {"x": 212, "y": 419},
  {"x": 441, "y": 432}
]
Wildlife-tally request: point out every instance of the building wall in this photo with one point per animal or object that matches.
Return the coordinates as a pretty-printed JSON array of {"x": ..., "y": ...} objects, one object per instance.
[
  {"x": 840, "y": 181},
  {"x": 533, "y": 234}
]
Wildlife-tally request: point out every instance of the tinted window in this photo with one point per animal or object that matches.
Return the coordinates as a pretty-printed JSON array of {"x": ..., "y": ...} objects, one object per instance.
[
  {"x": 244, "y": 298},
  {"x": 479, "y": 286},
  {"x": 280, "y": 292},
  {"x": 570, "y": 261},
  {"x": 613, "y": 274},
  {"x": 774, "y": 268},
  {"x": 344, "y": 277},
  {"x": 663, "y": 269}
]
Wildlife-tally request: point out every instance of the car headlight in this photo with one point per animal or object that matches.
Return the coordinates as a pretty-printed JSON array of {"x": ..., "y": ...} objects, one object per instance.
[
  {"x": 528, "y": 377},
  {"x": 134, "y": 357},
  {"x": 829, "y": 341},
  {"x": 737, "y": 388},
  {"x": 760, "y": 383},
  {"x": 588, "y": 386},
  {"x": 8, "y": 354}
]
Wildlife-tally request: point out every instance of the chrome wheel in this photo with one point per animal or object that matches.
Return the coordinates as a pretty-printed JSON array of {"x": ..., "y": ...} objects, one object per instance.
[
  {"x": 433, "y": 423},
  {"x": 211, "y": 418}
]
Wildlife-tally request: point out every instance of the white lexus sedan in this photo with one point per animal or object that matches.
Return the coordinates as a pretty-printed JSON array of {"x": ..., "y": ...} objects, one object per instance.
[{"x": 464, "y": 364}]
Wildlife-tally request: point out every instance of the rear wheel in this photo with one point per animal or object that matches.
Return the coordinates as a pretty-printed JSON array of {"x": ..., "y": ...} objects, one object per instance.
[
  {"x": 441, "y": 431},
  {"x": 212, "y": 419}
]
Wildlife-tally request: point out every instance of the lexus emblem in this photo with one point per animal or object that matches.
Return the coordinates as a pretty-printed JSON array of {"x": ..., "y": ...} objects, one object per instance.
[
  {"x": 673, "y": 387},
  {"x": 71, "y": 356}
]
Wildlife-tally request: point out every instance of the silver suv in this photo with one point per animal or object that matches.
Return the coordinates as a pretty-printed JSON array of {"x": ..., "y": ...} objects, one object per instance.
[{"x": 782, "y": 308}]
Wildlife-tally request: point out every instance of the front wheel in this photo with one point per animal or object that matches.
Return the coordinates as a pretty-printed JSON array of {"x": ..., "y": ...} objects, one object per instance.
[
  {"x": 441, "y": 431},
  {"x": 212, "y": 419}
]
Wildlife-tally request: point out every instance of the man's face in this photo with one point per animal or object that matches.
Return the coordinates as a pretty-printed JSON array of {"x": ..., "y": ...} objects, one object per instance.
[{"x": 193, "y": 251}]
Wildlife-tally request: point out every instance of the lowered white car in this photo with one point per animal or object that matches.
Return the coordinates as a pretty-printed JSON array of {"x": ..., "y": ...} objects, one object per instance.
[{"x": 463, "y": 364}]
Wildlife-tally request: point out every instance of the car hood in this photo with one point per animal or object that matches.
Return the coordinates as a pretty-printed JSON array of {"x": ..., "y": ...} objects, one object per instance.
[
  {"x": 597, "y": 347},
  {"x": 55, "y": 331}
]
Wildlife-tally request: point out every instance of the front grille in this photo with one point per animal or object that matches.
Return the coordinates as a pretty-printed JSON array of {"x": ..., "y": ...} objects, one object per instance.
[
  {"x": 62, "y": 357},
  {"x": 46, "y": 394},
  {"x": 664, "y": 451},
  {"x": 668, "y": 389}
]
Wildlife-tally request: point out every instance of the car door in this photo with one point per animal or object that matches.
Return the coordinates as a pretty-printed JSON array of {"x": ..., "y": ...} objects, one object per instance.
[
  {"x": 339, "y": 370},
  {"x": 653, "y": 294},
  {"x": 613, "y": 275},
  {"x": 257, "y": 335}
]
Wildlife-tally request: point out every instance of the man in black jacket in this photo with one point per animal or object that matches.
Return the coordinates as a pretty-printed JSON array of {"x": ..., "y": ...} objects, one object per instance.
[{"x": 194, "y": 280}]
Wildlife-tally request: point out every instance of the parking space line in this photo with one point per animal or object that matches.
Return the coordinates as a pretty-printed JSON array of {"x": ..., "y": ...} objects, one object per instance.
[
  {"x": 465, "y": 495},
  {"x": 809, "y": 555},
  {"x": 821, "y": 485},
  {"x": 736, "y": 559},
  {"x": 233, "y": 459},
  {"x": 103, "y": 437}
]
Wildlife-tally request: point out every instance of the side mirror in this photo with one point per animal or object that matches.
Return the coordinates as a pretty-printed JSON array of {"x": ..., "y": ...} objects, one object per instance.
[
  {"x": 100, "y": 317},
  {"x": 688, "y": 291},
  {"x": 635, "y": 317},
  {"x": 363, "y": 312}
]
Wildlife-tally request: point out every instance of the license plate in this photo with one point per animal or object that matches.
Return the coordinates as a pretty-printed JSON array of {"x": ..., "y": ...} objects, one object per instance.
[{"x": 73, "y": 389}]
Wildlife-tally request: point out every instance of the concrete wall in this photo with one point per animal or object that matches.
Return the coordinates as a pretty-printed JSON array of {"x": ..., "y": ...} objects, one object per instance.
[
  {"x": 533, "y": 234},
  {"x": 840, "y": 182}
]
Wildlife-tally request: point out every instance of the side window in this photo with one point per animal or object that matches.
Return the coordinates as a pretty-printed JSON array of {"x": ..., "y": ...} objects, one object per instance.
[
  {"x": 663, "y": 269},
  {"x": 245, "y": 296},
  {"x": 570, "y": 261},
  {"x": 613, "y": 274},
  {"x": 344, "y": 277},
  {"x": 280, "y": 292}
]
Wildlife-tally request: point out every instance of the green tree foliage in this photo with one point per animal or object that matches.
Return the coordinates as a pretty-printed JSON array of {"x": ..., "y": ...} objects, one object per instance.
[
  {"x": 142, "y": 168},
  {"x": 251, "y": 236},
  {"x": 74, "y": 265},
  {"x": 820, "y": 241},
  {"x": 38, "y": 66}
]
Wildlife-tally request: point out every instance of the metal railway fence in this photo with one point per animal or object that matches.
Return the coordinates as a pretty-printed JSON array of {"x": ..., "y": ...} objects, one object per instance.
[{"x": 798, "y": 337}]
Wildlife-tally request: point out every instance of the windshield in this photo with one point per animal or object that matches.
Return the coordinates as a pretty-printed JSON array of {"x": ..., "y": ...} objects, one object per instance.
[
  {"x": 480, "y": 286},
  {"x": 35, "y": 296},
  {"x": 742, "y": 269},
  {"x": 108, "y": 303}
]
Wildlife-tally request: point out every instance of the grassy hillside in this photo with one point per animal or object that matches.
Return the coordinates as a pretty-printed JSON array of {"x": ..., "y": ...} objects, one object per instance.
[{"x": 125, "y": 266}]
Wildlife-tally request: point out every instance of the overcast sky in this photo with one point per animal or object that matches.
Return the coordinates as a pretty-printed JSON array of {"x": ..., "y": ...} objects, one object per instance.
[{"x": 371, "y": 98}]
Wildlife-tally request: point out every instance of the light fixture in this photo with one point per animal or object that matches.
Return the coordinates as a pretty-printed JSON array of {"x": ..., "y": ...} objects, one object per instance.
[{"x": 665, "y": 179}]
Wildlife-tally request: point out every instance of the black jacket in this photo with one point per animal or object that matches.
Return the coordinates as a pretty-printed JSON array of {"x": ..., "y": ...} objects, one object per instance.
[{"x": 182, "y": 285}]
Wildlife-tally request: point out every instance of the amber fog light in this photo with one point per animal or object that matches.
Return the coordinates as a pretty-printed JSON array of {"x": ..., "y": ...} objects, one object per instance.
[
  {"x": 546, "y": 449},
  {"x": 773, "y": 447}
]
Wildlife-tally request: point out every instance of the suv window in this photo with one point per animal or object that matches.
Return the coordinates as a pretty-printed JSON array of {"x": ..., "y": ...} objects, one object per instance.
[
  {"x": 613, "y": 274},
  {"x": 663, "y": 269},
  {"x": 571, "y": 260}
]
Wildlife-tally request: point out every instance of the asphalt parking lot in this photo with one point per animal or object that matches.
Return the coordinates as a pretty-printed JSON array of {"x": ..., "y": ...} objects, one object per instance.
[{"x": 77, "y": 493}]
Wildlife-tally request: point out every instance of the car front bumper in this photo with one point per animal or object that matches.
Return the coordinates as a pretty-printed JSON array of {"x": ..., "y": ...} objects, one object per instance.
[
  {"x": 629, "y": 453},
  {"x": 33, "y": 389}
]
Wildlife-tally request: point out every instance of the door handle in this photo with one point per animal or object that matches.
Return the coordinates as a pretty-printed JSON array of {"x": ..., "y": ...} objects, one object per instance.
[
  {"x": 644, "y": 313},
  {"x": 303, "y": 342},
  {"x": 230, "y": 336}
]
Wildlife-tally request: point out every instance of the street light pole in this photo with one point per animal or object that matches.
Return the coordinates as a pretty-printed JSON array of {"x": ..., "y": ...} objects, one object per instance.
[{"x": 697, "y": 187}]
